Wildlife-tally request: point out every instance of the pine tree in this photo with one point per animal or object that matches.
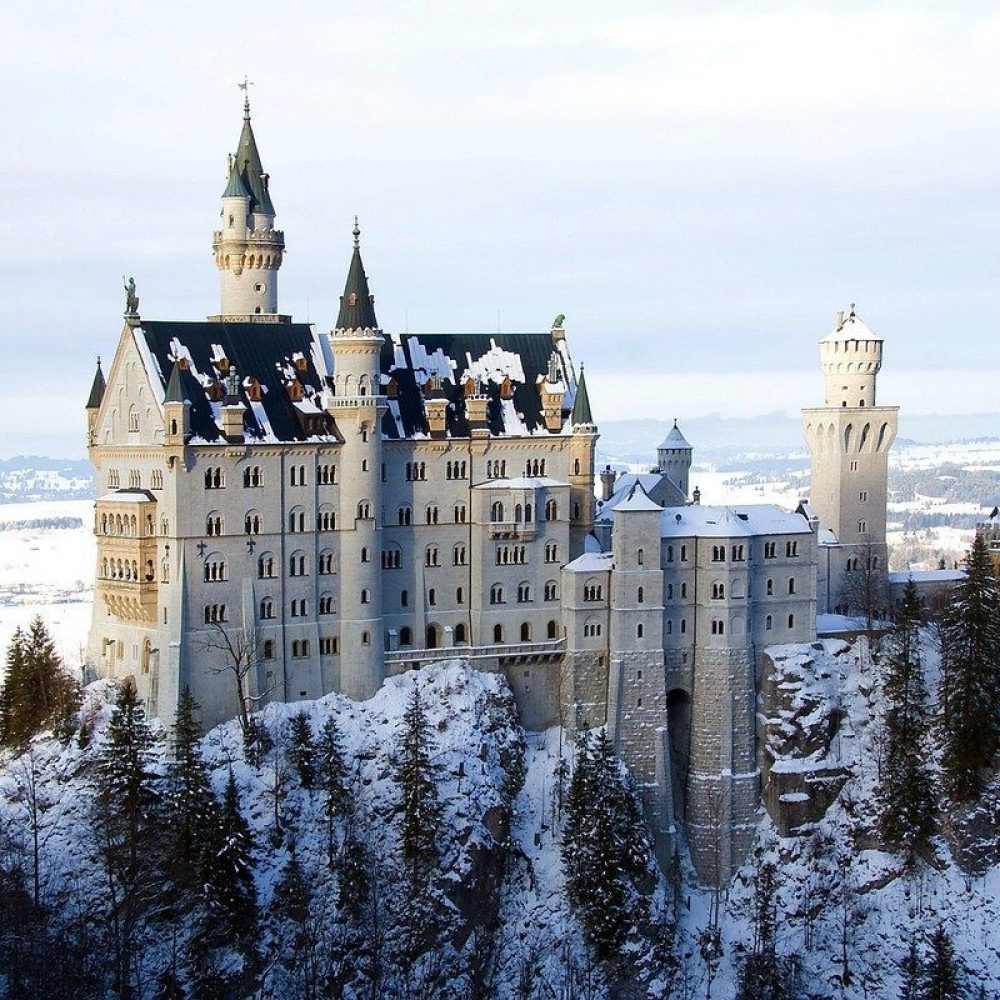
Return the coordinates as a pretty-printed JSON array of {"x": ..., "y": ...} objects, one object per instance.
[
  {"x": 332, "y": 779},
  {"x": 190, "y": 808},
  {"x": 302, "y": 749},
  {"x": 127, "y": 828},
  {"x": 228, "y": 875},
  {"x": 906, "y": 816},
  {"x": 940, "y": 980},
  {"x": 37, "y": 691},
  {"x": 763, "y": 976},
  {"x": 354, "y": 885},
  {"x": 126, "y": 763},
  {"x": 421, "y": 808},
  {"x": 972, "y": 676},
  {"x": 912, "y": 974},
  {"x": 604, "y": 847}
]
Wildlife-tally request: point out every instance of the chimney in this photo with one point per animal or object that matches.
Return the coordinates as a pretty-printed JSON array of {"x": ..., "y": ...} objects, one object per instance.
[
  {"x": 840, "y": 319},
  {"x": 437, "y": 411},
  {"x": 696, "y": 496},
  {"x": 608, "y": 477}
]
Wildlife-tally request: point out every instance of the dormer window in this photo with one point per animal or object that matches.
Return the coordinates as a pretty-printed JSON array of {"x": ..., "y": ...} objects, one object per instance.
[{"x": 352, "y": 298}]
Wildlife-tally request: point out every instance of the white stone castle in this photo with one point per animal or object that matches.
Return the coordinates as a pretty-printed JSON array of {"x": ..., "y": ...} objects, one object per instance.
[{"x": 334, "y": 507}]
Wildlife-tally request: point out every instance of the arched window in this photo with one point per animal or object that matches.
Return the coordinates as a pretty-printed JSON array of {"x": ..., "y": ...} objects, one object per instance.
[
  {"x": 523, "y": 593},
  {"x": 432, "y": 597},
  {"x": 718, "y": 591},
  {"x": 770, "y": 588},
  {"x": 670, "y": 553},
  {"x": 404, "y": 598},
  {"x": 267, "y": 608},
  {"x": 551, "y": 510},
  {"x": 431, "y": 514},
  {"x": 525, "y": 632},
  {"x": 251, "y": 523},
  {"x": 552, "y": 630},
  {"x": 551, "y": 591},
  {"x": 791, "y": 585},
  {"x": 460, "y": 633},
  {"x": 327, "y": 604},
  {"x": 670, "y": 626},
  {"x": 265, "y": 566},
  {"x": 431, "y": 556},
  {"x": 268, "y": 649},
  {"x": 791, "y": 621},
  {"x": 498, "y": 633},
  {"x": 214, "y": 525},
  {"x": 366, "y": 597},
  {"x": 215, "y": 569},
  {"x": 406, "y": 636},
  {"x": 459, "y": 555},
  {"x": 496, "y": 511},
  {"x": 768, "y": 623},
  {"x": 297, "y": 520},
  {"x": 460, "y": 513},
  {"x": 364, "y": 510},
  {"x": 496, "y": 594},
  {"x": 640, "y": 557},
  {"x": 640, "y": 596},
  {"x": 297, "y": 564},
  {"x": 405, "y": 515},
  {"x": 326, "y": 519},
  {"x": 718, "y": 626},
  {"x": 638, "y": 631},
  {"x": 326, "y": 564}
]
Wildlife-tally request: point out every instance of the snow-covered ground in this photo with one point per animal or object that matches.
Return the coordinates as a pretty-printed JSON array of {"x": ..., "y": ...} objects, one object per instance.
[{"x": 48, "y": 572}]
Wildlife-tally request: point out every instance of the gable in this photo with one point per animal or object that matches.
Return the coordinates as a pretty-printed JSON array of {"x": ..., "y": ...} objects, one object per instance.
[{"x": 130, "y": 411}]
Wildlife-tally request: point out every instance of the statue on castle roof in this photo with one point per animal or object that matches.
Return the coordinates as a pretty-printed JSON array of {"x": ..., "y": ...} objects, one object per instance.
[{"x": 131, "y": 299}]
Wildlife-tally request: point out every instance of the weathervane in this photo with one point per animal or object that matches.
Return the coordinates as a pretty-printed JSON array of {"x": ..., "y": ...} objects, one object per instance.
[{"x": 245, "y": 85}]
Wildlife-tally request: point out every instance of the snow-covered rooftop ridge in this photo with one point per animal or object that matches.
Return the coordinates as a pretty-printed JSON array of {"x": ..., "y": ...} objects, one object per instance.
[
  {"x": 927, "y": 575},
  {"x": 723, "y": 522},
  {"x": 520, "y": 483},
  {"x": 637, "y": 500},
  {"x": 591, "y": 562}
]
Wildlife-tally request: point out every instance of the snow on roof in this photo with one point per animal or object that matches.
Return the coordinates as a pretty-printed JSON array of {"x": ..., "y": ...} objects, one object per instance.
[
  {"x": 724, "y": 522},
  {"x": 675, "y": 439},
  {"x": 127, "y": 496},
  {"x": 927, "y": 576},
  {"x": 637, "y": 500},
  {"x": 852, "y": 329},
  {"x": 591, "y": 562},
  {"x": 520, "y": 483},
  {"x": 827, "y": 536}
]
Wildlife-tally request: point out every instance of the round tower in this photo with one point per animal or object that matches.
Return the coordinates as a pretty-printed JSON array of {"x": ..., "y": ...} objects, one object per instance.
[
  {"x": 851, "y": 356},
  {"x": 673, "y": 459},
  {"x": 358, "y": 405},
  {"x": 248, "y": 249}
]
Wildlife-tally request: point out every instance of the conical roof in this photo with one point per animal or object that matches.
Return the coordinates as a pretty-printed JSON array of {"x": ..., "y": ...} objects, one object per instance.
[
  {"x": 96, "y": 389},
  {"x": 852, "y": 328},
  {"x": 581, "y": 403},
  {"x": 675, "y": 439},
  {"x": 357, "y": 304},
  {"x": 250, "y": 169},
  {"x": 235, "y": 188},
  {"x": 175, "y": 392}
]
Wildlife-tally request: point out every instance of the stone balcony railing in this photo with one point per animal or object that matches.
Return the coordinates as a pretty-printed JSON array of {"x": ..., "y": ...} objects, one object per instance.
[
  {"x": 501, "y": 651},
  {"x": 511, "y": 529}
]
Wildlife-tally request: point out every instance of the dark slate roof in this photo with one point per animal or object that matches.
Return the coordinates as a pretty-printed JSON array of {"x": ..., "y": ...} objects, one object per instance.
[
  {"x": 235, "y": 188},
  {"x": 251, "y": 170},
  {"x": 175, "y": 387},
  {"x": 96, "y": 389},
  {"x": 581, "y": 404},
  {"x": 357, "y": 304},
  {"x": 264, "y": 351},
  {"x": 533, "y": 350}
]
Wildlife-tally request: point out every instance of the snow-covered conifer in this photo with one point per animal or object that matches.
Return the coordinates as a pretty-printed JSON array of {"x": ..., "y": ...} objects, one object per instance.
[
  {"x": 941, "y": 973},
  {"x": 331, "y": 777},
  {"x": 301, "y": 750},
  {"x": 972, "y": 674},
  {"x": 906, "y": 815}
]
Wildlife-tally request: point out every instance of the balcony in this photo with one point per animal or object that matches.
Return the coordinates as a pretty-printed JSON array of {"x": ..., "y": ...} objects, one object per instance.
[
  {"x": 129, "y": 600},
  {"x": 504, "y": 653},
  {"x": 516, "y": 530}
]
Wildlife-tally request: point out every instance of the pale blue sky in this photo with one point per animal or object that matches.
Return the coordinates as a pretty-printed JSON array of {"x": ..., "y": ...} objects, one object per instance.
[{"x": 696, "y": 186}]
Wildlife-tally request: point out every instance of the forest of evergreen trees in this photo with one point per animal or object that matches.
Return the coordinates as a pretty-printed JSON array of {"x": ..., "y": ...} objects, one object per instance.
[{"x": 373, "y": 913}]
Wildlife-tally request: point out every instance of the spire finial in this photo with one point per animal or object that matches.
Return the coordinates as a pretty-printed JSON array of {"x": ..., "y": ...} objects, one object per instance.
[
  {"x": 245, "y": 86},
  {"x": 357, "y": 234},
  {"x": 852, "y": 310},
  {"x": 98, "y": 361}
]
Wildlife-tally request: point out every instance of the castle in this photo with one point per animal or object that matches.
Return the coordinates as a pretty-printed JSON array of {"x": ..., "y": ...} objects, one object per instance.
[{"x": 285, "y": 512}]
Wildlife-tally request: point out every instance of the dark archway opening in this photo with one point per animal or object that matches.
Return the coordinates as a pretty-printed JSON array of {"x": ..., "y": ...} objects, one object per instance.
[{"x": 679, "y": 728}]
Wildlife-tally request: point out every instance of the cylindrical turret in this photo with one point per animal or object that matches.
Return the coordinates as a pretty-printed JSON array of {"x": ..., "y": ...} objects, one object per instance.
[
  {"x": 673, "y": 459},
  {"x": 851, "y": 356}
]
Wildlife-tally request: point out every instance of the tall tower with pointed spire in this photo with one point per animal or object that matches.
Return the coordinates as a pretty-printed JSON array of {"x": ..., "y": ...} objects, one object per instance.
[
  {"x": 248, "y": 249},
  {"x": 358, "y": 406}
]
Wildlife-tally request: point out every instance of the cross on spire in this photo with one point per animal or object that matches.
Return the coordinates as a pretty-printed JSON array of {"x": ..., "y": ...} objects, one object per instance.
[{"x": 245, "y": 84}]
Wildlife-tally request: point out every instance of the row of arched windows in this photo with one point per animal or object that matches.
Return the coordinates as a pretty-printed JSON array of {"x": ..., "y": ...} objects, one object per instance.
[
  {"x": 126, "y": 569},
  {"x": 534, "y": 467},
  {"x": 511, "y": 555},
  {"x": 125, "y": 524},
  {"x": 496, "y": 469},
  {"x": 455, "y": 470}
]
